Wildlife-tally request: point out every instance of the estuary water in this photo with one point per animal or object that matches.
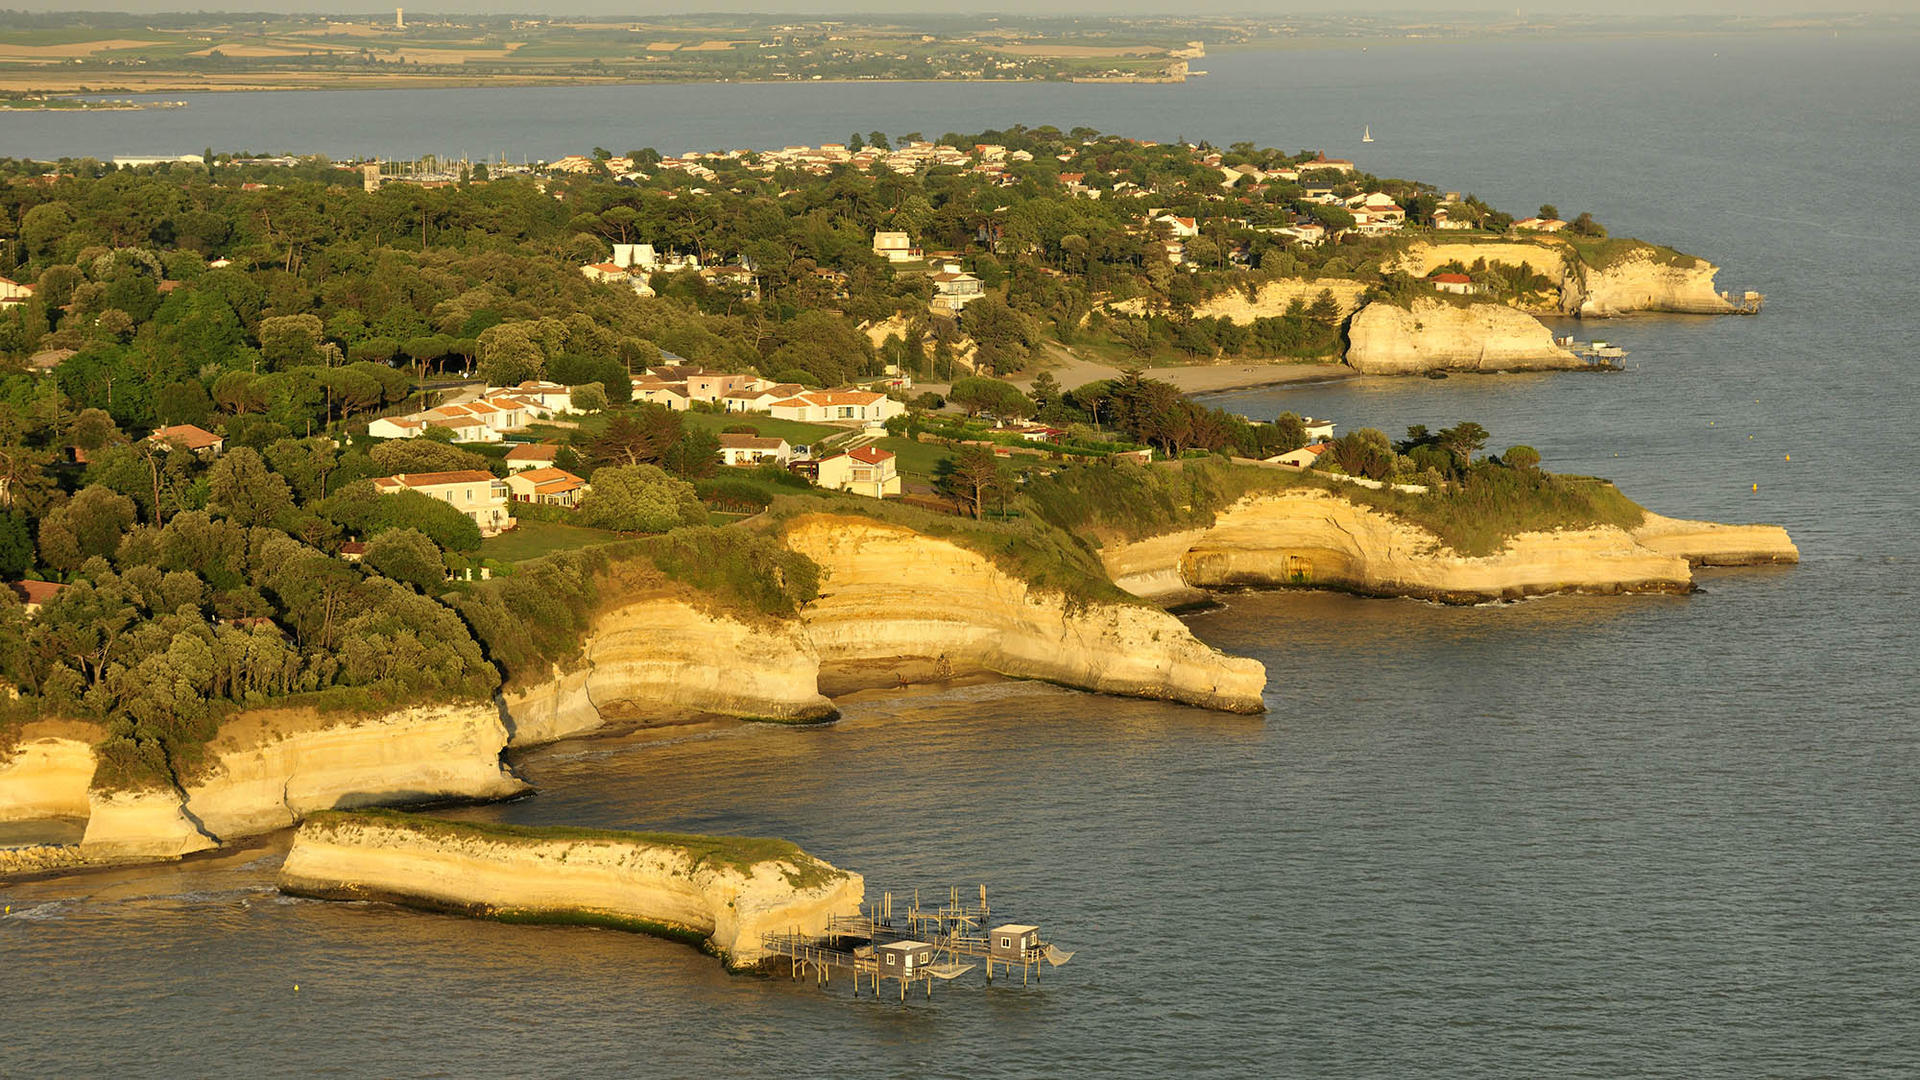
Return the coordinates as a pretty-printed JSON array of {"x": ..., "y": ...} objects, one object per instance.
[{"x": 1667, "y": 836}]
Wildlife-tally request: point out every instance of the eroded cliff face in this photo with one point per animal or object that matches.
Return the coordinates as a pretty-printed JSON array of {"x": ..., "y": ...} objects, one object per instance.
[
  {"x": 632, "y": 882},
  {"x": 1316, "y": 539},
  {"x": 269, "y": 769},
  {"x": 1640, "y": 283},
  {"x": 894, "y": 602},
  {"x": 1705, "y": 543},
  {"x": 47, "y": 774},
  {"x": 1385, "y": 339}
]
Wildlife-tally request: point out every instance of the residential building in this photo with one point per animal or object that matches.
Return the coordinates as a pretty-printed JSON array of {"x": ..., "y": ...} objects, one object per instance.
[
  {"x": 1181, "y": 227},
  {"x": 712, "y": 386},
  {"x": 867, "y": 471},
  {"x": 532, "y": 456},
  {"x": 477, "y": 494},
  {"x": 548, "y": 395},
  {"x": 202, "y": 442},
  {"x": 397, "y": 427},
  {"x": 818, "y": 405},
  {"x": 1536, "y": 224},
  {"x": 1302, "y": 458},
  {"x": 742, "y": 449},
  {"x": 954, "y": 289},
  {"x": 748, "y": 399},
  {"x": 13, "y": 292},
  {"x": 1458, "y": 284},
  {"x": 33, "y": 594},
  {"x": 669, "y": 395},
  {"x": 895, "y": 247},
  {"x": 546, "y": 487}
]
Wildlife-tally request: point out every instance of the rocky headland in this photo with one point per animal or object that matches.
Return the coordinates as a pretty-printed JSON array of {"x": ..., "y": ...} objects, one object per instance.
[
  {"x": 1442, "y": 335},
  {"x": 721, "y": 892},
  {"x": 1310, "y": 538}
]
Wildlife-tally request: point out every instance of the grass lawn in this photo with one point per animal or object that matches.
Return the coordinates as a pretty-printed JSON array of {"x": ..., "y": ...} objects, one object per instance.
[
  {"x": 532, "y": 539},
  {"x": 795, "y": 432},
  {"x": 914, "y": 459}
]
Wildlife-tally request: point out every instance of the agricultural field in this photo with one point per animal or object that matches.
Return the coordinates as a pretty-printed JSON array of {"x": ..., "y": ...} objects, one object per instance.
[{"x": 62, "y": 52}]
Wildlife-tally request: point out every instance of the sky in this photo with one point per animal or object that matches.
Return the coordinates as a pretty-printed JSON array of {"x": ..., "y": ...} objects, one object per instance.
[{"x": 1050, "y": 7}]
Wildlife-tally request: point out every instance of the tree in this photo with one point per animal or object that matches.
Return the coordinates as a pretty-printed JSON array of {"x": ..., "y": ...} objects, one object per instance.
[
  {"x": 640, "y": 498},
  {"x": 242, "y": 489},
  {"x": 510, "y": 354},
  {"x": 641, "y": 438},
  {"x": 290, "y": 340},
  {"x": 423, "y": 456},
  {"x": 1548, "y": 212},
  {"x": 1365, "y": 452},
  {"x": 1584, "y": 225},
  {"x": 970, "y": 477},
  {"x": 1462, "y": 441},
  {"x": 1004, "y": 336},
  {"x": 978, "y": 394},
  {"x": 406, "y": 555},
  {"x": 1521, "y": 457},
  {"x": 89, "y": 524},
  {"x": 1045, "y": 391},
  {"x": 1289, "y": 432},
  {"x": 16, "y": 544},
  {"x": 590, "y": 397}
]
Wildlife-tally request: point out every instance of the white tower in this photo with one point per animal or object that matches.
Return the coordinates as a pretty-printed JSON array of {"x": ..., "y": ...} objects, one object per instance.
[{"x": 399, "y": 18}]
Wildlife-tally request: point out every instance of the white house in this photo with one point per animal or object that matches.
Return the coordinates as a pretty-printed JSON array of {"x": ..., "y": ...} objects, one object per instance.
[
  {"x": 549, "y": 395},
  {"x": 742, "y": 449},
  {"x": 757, "y": 399},
  {"x": 1181, "y": 227},
  {"x": 1302, "y": 458},
  {"x": 532, "y": 456},
  {"x": 954, "y": 289},
  {"x": 818, "y": 405},
  {"x": 895, "y": 247},
  {"x": 475, "y": 493},
  {"x": 867, "y": 471},
  {"x": 546, "y": 487},
  {"x": 1457, "y": 284},
  {"x": 12, "y": 292},
  {"x": 397, "y": 427}
]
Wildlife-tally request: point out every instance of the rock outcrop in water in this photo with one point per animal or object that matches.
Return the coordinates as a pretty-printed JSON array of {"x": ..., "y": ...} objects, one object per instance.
[
  {"x": 723, "y": 891},
  {"x": 1313, "y": 538},
  {"x": 1435, "y": 335}
]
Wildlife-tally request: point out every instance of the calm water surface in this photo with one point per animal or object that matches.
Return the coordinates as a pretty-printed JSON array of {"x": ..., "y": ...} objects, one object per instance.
[{"x": 1588, "y": 837}]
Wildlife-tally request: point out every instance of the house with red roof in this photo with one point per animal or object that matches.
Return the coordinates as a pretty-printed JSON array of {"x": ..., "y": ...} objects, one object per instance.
[
  {"x": 815, "y": 406},
  {"x": 547, "y": 487},
  {"x": 867, "y": 470},
  {"x": 32, "y": 594},
  {"x": 199, "y": 440},
  {"x": 1449, "y": 282},
  {"x": 473, "y": 492}
]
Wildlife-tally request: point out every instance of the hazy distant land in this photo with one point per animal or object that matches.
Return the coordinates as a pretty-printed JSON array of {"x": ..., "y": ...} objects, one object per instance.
[{"x": 96, "y": 52}]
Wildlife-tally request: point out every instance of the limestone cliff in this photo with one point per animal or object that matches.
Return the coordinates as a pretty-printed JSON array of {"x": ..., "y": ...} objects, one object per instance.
[
  {"x": 895, "y": 601},
  {"x": 1639, "y": 281},
  {"x": 1274, "y": 299},
  {"x": 1704, "y": 543},
  {"x": 1625, "y": 276},
  {"x": 1432, "y": 335},
  {"x": 1313, "y": 538},
  {"x": 272, "y": 769},
  {"x": 724, "y": 891},
  {"x": 48, "y": 772},
  {"x": 651, "y": 653},
  {"x": 268, "y": 769}
]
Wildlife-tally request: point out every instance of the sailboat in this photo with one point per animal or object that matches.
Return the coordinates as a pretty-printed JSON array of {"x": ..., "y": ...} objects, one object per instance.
[{"x": 1366, "y": 135}]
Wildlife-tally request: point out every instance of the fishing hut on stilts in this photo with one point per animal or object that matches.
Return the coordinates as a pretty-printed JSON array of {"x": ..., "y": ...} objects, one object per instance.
[{"x": 915, "y": 946}]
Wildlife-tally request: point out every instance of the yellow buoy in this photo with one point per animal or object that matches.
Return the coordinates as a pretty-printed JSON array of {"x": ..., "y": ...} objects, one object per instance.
[
  {"x": 1789, "y": 457},
  {"x": 296, "y": 988},
  {"x": 1756, "y": 487}
]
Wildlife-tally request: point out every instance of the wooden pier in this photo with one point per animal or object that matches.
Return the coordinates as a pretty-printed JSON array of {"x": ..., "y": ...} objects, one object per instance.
[{"x": 915, "y": 946}]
